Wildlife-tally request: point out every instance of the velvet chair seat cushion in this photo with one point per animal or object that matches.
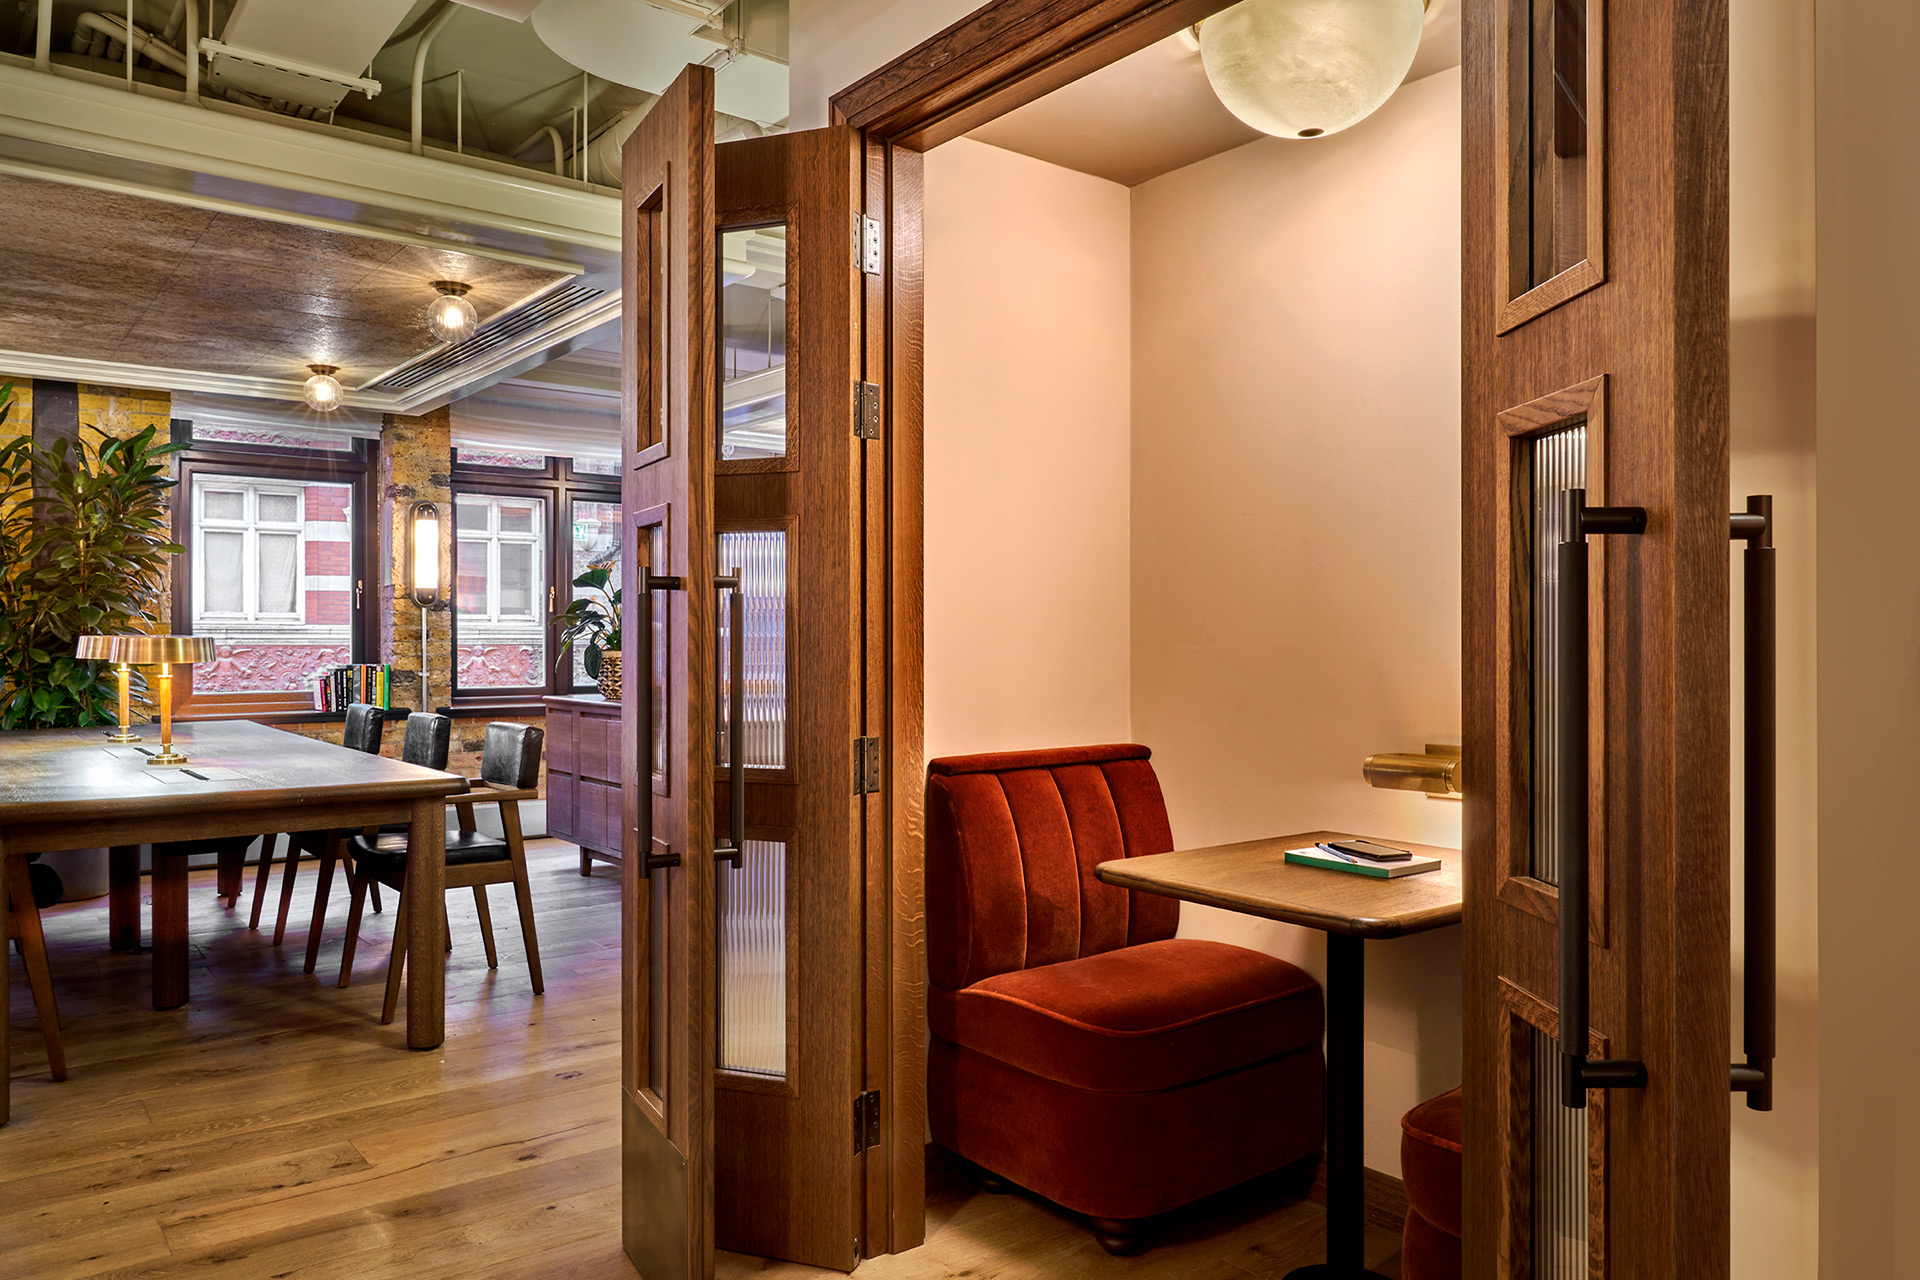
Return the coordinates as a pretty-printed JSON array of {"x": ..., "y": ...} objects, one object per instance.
[
  {"x": 1427, "y": 1252},
  {"x": 1430, "y": 1161},
  {"x": 1142, "y": 1018}
]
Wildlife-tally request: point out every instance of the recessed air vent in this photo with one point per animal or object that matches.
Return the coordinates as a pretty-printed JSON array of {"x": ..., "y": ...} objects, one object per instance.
[{"x": 513, "y": 325}]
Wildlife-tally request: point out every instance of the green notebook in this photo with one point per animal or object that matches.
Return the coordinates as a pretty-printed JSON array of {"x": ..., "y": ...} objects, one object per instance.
[{"x": 1311, "y": 857}]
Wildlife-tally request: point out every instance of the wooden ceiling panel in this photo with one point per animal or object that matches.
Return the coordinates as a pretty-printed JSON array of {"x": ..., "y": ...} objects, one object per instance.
[{"x": 103, "y": 276}]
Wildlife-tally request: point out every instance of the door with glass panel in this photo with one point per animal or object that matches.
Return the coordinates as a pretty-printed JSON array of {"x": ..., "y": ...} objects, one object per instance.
[
  {"x": 788, "y": 514},
  {"x": 743, "y": 868},
  {"x": 668, "y": 845},
  {"x": 1594, "y": 282}
]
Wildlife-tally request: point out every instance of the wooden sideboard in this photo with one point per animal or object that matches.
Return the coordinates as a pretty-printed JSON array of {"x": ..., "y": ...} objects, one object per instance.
[{"x": 583, "y": 775}]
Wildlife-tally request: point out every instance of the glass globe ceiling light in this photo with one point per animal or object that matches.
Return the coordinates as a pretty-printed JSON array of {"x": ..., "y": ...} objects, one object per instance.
[
  {"x": 450, "y": 316},
  {"x": 322, "y": 391},
  {"x": 1307, "y": 68}
]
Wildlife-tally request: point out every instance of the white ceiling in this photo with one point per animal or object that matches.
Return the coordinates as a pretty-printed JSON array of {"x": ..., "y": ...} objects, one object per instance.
[{"x": 1154, "y": 112}]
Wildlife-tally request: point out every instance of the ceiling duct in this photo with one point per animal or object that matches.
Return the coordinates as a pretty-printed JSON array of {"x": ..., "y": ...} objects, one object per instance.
[
  {"x": 298, "y": 52},
  {"x": 644, "y": 44},
  {"x": 546, "y": 308}
]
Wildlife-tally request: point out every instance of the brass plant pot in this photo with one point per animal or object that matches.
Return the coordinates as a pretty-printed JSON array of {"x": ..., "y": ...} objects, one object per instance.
[{"x": 610, "y": 675}]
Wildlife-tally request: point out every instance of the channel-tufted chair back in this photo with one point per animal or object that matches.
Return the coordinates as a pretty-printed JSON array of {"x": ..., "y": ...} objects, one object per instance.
[{"x": 1012, "y": 841}]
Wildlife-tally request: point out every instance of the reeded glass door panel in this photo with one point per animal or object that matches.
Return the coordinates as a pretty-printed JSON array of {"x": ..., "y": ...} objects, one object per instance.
[
  {"x": 752, "y": 945},
  {"x": 761, "y": 557},
  {"x": 753, "y": 343},
  {"x": 1561, "y": 1167},
  {"x": 1556, "y": 462}
]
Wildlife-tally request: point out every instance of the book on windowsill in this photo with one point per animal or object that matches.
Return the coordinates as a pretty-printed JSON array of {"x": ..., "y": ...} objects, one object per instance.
[{"x": 1313, "y": 856}]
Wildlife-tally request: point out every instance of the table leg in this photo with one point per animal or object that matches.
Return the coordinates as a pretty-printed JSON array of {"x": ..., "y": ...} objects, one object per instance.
[
  {"x": 426, "y": 944},
  {"x": 1346, "y": 1102},
  {"x": 6, "y": 1011},
  {"x": 123, "y": 902},
  {"x": 169, "y": 930}
]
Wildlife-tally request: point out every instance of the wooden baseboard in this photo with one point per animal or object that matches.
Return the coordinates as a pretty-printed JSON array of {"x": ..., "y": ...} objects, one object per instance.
[{"x": 1386, "y": 1197}]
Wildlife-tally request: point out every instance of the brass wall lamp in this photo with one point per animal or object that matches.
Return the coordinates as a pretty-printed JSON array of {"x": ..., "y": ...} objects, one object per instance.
[{"x": 1435, "y": 772}]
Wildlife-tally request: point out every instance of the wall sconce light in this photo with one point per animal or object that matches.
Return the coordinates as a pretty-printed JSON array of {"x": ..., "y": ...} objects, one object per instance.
[
  {"x": 424, "y": 536},
  {"x": 1308, "y": 68},
  {"x": 1436, "y": 773},
  {"x": 450, "y": 316},
  {"x": 322, "y": 391}
]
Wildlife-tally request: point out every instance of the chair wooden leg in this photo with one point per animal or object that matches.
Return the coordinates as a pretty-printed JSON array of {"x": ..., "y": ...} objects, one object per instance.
[
  {"x": 32, "y": 942},
  {"x": 486, "y": 924},
  {"x": 395, "y": 962},
  {"x": 522, "y": 892},
  {"x": 295, "y": 844},
  {"x": 359, "y": 898},
  {"x": 446, "y": 925},
  {"x": 329, "y": 857},
  {"x": 268, "y": 844},
  {"x": 374, "y": 889},
  {"x": 231, "y": 866}
]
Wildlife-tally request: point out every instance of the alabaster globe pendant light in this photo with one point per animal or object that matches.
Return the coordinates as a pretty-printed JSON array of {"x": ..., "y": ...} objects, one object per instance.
[
  {"x": 322, "y": 391},
  {"x": 450, "y": 316},
  {"x": 1309, "y": 68}
]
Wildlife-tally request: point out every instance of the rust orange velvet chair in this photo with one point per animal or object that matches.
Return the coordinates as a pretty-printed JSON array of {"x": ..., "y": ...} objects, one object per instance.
[
  {"x": 1430, "y": 1165},
  {"x": 1079, "y": 1049}
]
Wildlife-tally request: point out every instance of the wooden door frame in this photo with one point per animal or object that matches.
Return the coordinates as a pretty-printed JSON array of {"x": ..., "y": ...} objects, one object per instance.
[{"x": 1001, "y": 56}]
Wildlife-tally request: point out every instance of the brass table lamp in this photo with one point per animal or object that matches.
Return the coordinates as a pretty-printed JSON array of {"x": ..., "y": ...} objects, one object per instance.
[
  {"x": 101, "y": 649},
  {"x": 145, "y": 651}
]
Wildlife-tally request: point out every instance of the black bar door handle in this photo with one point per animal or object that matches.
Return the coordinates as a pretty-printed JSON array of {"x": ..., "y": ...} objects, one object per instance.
[
  {"x": 1578, "y": 1072},
  {"x": 643, "y": 714},
  {"x": 735, "y": 848},
  {"x": 1754, "y": 526}
]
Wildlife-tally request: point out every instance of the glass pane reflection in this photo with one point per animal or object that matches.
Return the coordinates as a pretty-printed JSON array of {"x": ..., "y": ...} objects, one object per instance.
[
  {"x": 1547, "y": 168},
  {"x": 753, "y": 343}
]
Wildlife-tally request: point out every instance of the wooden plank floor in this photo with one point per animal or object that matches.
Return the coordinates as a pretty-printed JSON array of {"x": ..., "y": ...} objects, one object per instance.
[{"x": 273, "y": 1129}]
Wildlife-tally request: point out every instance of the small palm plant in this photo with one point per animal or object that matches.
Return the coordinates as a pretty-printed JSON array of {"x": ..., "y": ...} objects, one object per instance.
[
  {"x": 593, "y": 622},
  {"x": 85, "y": 535}
]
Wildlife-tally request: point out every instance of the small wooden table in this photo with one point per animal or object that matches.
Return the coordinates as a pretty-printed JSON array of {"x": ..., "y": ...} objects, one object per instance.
[
  {"x": 68, "y": 789},
  {"x": 1255, "y": 879}
]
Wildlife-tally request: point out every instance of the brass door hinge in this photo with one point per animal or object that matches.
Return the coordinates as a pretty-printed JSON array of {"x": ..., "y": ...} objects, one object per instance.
[
  {"x": 866, "y": 766},
  {"x": 866, "y": 1121}
]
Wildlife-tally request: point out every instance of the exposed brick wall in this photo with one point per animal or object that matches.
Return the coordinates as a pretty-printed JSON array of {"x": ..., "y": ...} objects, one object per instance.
[{"x": 416, "y": 462}]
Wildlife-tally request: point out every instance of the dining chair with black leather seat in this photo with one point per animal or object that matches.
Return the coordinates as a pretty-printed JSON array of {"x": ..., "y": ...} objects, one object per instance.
[
  {"x": 427, "y": 742},
  {"x": 365, "y": 726},
  {"x": 509, "y": 773},
  {"x": 31, "y": 942}
]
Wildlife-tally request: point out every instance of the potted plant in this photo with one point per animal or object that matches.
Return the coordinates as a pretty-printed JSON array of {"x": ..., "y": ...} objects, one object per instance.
[
  {"x": 593, "y": 621},
  {"x": 85, "y": 536}
]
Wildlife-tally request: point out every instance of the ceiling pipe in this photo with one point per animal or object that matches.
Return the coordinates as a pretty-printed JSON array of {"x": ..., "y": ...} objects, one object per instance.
[
  {"x": 172, "y": 28},
  {"x": 137, "y": 42},
  {"x": 193, "y": 52},
  {"x": 559, "y": 147},
  {"x": 43, "y": 38},
  {"x": 434, "y": 28}
]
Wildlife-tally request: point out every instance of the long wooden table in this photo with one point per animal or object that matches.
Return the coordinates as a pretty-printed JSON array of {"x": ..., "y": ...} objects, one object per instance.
[
  {"x": 1254, "y": 878},
  {"x": 70, "y": 789}
]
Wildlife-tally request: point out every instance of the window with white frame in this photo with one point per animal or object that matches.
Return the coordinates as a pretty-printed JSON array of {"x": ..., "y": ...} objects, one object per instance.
[
  {"x": 500, "y": 569},
  {"x": 248, "y": 542},
  {"x": 271, "y": 572}
]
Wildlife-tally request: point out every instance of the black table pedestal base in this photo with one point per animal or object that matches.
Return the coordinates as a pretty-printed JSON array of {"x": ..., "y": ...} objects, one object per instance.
[{"x": 1346, "y": 1063}]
